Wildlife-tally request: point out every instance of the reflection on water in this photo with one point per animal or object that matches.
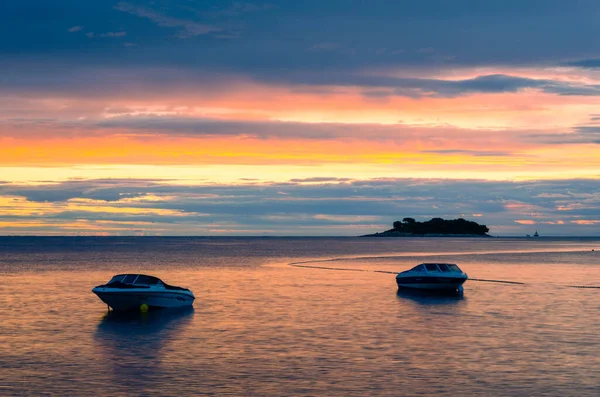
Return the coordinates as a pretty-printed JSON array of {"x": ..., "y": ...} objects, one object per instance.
[
  {"x": 132, "y": 344},
  {"x": 137, "y": 323},
  {"x": 430, "y": 297}
]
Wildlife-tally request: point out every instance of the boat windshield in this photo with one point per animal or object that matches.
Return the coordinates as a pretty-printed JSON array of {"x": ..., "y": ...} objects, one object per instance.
[
  {"x": 117, "y": 278},
  {"x": 419, "y": 268},
  {"x": 454, "y": 268},
  {"x": 443, "y": 267},
  {"x": 431, "y": 267},
  {"x": 137, "y": 279},
  {"x": 147, "y": 280},
  {"x": 129, "y": 279}
]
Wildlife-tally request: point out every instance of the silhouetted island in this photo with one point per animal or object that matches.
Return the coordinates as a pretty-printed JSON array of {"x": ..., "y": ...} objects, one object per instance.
[{"x": 436, "y": 227}]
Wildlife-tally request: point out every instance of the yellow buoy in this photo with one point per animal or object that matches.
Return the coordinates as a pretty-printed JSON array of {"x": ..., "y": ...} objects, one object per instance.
[{"x": 144, "y": 308}]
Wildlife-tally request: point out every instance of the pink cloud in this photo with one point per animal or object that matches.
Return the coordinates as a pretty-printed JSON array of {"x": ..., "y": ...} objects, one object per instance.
[{"x": 525, "y": 222}]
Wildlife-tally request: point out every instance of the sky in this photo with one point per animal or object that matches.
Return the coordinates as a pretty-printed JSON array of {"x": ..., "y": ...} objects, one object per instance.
[{"x": 298, "y": 118}]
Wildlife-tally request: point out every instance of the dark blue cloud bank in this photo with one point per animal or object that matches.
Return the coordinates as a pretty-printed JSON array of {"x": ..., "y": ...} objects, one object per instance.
[
  {"x": 297, "y": 42},
  {"x": 317, "y": 206}
]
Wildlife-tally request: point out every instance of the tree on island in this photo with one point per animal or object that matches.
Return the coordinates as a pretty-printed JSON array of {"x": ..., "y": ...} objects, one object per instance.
[{"x": 409, "y": 226}]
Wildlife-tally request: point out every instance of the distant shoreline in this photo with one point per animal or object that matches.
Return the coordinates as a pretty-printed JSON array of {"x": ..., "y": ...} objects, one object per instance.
[
  {"x": 399, "y": 234},
  {"x": 435, "y": 227},
  {"x": 232, "y": 236}
]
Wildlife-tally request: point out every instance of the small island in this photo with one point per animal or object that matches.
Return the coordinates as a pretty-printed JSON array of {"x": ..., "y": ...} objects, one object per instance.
[{"x": 436, "y": 227}]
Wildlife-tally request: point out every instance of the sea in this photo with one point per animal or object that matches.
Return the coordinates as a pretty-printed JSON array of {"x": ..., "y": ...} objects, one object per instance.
[{"x": 262, "y": 326}]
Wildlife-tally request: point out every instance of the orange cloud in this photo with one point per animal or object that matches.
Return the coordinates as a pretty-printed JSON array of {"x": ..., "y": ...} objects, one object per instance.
[{"x": 586, "y": 222}]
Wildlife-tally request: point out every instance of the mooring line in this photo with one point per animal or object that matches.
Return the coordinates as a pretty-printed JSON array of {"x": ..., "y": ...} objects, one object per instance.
[
  {"x": 584, "y": 286},
  {"x": 496, "y": 281},
  {"x": 302, "y": 264},
  {"x": 329, "y": 268}
]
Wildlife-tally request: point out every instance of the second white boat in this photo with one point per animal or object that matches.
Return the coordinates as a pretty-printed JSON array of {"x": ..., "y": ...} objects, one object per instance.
[{"x": 433, "y": 277}]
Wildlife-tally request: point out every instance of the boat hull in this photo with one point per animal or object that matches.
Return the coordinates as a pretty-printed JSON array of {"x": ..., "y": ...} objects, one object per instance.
[
  {"x": 431, "y": 283},
  {"x": 133, "y": 299}
]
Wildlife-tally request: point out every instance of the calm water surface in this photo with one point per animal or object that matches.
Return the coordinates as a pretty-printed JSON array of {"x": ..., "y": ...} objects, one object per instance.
[{"x": 260, "y": 327}]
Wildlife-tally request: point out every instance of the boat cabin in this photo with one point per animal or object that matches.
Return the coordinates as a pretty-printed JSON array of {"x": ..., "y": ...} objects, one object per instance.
[
  {"x": 436, "y": 267},
  {"x": 137, "y": 279}
]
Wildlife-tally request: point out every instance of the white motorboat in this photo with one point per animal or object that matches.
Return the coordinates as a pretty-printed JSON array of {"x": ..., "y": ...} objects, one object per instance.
[
  {"x": 139, "y": 291},
  {"x": 433, "y": 277}
]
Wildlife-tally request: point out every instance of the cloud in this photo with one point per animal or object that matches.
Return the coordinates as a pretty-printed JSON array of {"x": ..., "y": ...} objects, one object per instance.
[
  {"x": 99, "y": 189},
  {"x": 187, "y": 27},
  {"x": 75, "y": 29},
  {"x": 199, "y": 126},
  {"x": 378, "y": 35},
  {"x": 311, "y": 208},
  {"x": 382, "y": 35},
  {"x": 525, "y": 221},
  {"x": 319, "y": 180},
  {"x": 421, "y": 87},
  {"x": 469, "y": 152},
  {"x": 587, "y": 221},
  {"x": 589, "y": 132},
  {"x": 94, "y": 81},
  {"x": 592, "y": 63},
  {"x": 141, "y": 77},
  {"x": 262, "y": 129}
]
